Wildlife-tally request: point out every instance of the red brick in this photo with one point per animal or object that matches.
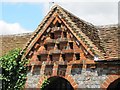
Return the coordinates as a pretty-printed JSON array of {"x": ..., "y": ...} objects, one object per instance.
[
  {"x": 74, "y": 83},
  {"x": 108, "y": 81},
  {"x": 105, "y": 84},
  {"x": 111, "y": 78}
]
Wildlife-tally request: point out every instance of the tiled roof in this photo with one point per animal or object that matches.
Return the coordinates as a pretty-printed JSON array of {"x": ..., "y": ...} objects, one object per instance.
[
  {"x": 109, "y": 37},
  {"x": 84, "y": 30},
  {"x": 9, "y": 42}
]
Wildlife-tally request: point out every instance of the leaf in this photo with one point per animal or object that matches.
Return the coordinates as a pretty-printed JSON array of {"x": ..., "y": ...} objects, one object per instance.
[{"x": 12, "y": 76}]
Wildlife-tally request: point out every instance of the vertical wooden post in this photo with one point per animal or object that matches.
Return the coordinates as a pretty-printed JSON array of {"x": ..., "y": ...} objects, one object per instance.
[
  {"x": 42, "y": 69},
  {"x": 55, "y": 69},
  {"x": 84, "y": 60},
  {"x": 68, "y": 70},
  {"x": 32, "y": 68}
]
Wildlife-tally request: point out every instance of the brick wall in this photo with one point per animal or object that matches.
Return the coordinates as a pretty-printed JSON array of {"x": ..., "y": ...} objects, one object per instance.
[
  {"x": 108, "y": 34},
  {"x": 78, "y": 77}
]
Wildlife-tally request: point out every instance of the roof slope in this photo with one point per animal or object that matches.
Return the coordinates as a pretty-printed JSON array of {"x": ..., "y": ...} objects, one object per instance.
[
  {"x": 85, "y": 31},
  {"x": 87, "y": 28},
  {"x": 109, "y": 36},
  {"x": 89, "y": 32},
  {"x": 9, "y": 42}
]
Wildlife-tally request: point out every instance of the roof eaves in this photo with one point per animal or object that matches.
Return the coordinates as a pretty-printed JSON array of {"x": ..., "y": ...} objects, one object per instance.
[{"x": 39, "y": 28}]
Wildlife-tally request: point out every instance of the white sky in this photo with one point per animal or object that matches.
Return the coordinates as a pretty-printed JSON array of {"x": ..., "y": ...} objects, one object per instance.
[
  {"x": 100, "y": 12},
  {"x": 97, "y": 13},
  {"x": 60, "y": 0}
]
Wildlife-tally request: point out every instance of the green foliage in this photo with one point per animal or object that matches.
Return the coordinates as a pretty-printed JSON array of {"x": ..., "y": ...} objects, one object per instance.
[
  {"x": 45, "y": 83},
  {"x": 13, "y": 70}
]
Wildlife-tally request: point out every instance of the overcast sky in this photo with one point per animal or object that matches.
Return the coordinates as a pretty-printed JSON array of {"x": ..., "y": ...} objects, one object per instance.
[{"x": 22, "y": 17}]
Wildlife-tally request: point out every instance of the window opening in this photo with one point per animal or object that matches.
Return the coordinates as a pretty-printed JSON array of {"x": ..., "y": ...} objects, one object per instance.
[
  {"x": 65, "y": 34},
  {"x": 58, "y": 46},
  {"x": 63, "y": 57},
  {"x": 52, "y": 36},
  {"x": 77, "y": 56},
  {"x": 71, "y": 45},
  {"x": 39, "y": 57},
  {"x": 51, "y": 57},
  {"x": 45, "y": 47},
  {"x": 58, "y": 24}
]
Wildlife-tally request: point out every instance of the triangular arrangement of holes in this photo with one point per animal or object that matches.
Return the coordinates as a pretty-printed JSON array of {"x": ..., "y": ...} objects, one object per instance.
[
  {"x": 63, "y": 46},
  {"x": 62, "y": 37}
]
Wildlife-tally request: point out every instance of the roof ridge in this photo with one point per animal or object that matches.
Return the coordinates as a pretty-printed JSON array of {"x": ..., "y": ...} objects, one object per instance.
[
  {"x": 39, "y": 26},
  {"x": 88, "y": 23},
  {"x": 83, "y": 34},
  {"x": 107, "y": 26}
]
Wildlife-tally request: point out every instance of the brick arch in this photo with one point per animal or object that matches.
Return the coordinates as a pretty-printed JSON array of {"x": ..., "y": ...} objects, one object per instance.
[
  {"x": 109, "y": 80},
  {"x": 72, "y": 81},
  {"x": 67, "y": 77}
]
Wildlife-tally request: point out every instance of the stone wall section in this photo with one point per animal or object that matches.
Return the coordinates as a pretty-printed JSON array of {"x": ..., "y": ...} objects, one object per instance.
[
  {"x": 93, "y": 78},
  {"x": 32, "y": 80},
  {"x": 81, "y": 77}
]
